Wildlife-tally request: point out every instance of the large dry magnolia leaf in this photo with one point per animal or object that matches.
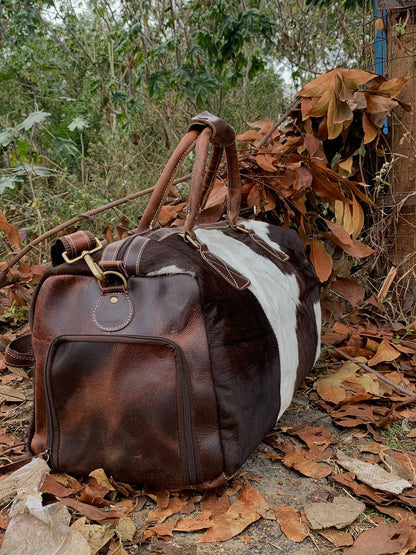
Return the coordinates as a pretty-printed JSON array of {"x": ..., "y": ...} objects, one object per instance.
[
  {"x": 193, "y": 524},
  {"x": 342, "y": 512},
  {"x": 291, "y": 523},
  {"x": 321, "y": 260},
  {"x": 385, "y": 539},
  {"x": 304, "y": 462},
  {"x": 370, "y": 130},
  {"x": 250, "y": 135},
  {"x": 265, "y": 161},
  {"x": 373, "y": 475},
  {"x": 330, "y": 387},
  {"x": 339, "y": 231},
  {"x": 247, "y": 509}
]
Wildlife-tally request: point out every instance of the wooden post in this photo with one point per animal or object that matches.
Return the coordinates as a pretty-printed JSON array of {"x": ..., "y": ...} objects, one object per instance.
[{"x": 401, "y": 61}]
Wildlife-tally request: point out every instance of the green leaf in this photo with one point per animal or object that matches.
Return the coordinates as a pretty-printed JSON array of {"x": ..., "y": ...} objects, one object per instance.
[
  {"x": 32, "y": 119},
  {"x": 6, "y": 136},
  {"x": 66, "y": 148},
  {"x": 78, "y": 124},
  {"x": 8, "y": 182}
]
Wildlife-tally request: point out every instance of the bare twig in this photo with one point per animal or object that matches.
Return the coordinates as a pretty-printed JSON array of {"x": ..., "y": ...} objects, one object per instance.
[
  {"x": 276, "y": 125},
  {"x": 380, "y": 376}
]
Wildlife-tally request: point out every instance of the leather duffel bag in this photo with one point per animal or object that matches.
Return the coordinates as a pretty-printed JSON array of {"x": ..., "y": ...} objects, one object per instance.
[{"x": 166, "y": 357}]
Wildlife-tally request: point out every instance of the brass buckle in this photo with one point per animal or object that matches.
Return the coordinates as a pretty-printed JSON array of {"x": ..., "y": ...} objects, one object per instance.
[
  {"x": 96, "y": 271},
  {"x": 86, "y": 255}
]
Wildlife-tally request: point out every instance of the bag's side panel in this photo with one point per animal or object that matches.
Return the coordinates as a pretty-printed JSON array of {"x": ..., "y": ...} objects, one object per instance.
[{"x": 164, "y": 306}]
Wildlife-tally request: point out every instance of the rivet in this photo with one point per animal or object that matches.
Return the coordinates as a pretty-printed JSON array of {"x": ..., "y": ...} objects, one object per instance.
[{"x": 113, "y": 300}]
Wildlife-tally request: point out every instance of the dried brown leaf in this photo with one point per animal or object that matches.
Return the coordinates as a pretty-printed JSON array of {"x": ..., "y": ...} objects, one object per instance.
[
  {"x": 373, "y": 475},
  {"x": 321, "y": 260},
  {"x": 247, "y": 509},
  {"x": 385, "y": 539},
  {"x": 290, "y": 522},
  {"x": 305, "y": 463},
  {"x": 339, "y": 514},
  {"x": 385, "y": 353}
]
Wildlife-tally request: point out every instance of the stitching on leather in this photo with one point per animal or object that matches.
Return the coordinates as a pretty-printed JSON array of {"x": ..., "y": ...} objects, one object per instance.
[
  {"x": 175, "y": 169},
  {"x": 71, "y": 245},
  {"x": 220, "y": 266},
  {"x": 87, "y": 236},
  {"x": 282, "y": 256},
  {"x": 126, "y": 256},
  {"x": 139, "y": 256},
  {"x": 227, "y": 155},
  {"x": 120, "y": 326},
  {"x": 15, "y": 354}
]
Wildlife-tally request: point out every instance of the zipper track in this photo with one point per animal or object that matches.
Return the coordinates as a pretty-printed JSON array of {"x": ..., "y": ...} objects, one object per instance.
[{"x": 186, "y": 405}]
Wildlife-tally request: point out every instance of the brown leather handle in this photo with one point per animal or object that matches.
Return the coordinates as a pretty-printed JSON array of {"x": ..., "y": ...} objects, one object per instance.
[{"x": 204, "y": 129}]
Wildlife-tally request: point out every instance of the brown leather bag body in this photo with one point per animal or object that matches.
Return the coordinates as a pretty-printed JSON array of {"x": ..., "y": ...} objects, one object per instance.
[{"x": 165, "y": 357}]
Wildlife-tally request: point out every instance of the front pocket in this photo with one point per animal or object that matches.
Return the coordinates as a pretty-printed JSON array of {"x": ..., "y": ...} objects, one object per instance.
[{"x": 120, "y": 403}]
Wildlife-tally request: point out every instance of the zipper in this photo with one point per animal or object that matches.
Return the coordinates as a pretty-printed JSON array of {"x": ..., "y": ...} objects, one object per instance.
[{"x": 185, "y": 397}]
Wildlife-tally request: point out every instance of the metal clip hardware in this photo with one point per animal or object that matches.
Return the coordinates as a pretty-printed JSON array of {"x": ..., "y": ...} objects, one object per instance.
[
  {"x": 86, "y": 255},
  {"x": 96, "y": 271}
]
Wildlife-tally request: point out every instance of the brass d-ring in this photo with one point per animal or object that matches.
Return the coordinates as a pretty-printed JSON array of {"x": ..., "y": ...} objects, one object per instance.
[{"x": 112, "y": 272}]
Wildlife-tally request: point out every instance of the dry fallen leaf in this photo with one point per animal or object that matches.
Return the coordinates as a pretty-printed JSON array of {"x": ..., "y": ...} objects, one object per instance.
[
  {"x": 342, "y": 512},
  {"x": 291, "y": 523},
  {"x": 247, "y": 509},
  {"x": 96, "y": 536},
  {"x": 107, "y": 515},
  {"x": 385, "y": 539},
  {"x": 373, "y": 474},
  {"x": 160, "y": 514},
  {"x": 385, "y": 353},
  {"x": 338, "y": 538},
  {"x": 305, "y": 463}
]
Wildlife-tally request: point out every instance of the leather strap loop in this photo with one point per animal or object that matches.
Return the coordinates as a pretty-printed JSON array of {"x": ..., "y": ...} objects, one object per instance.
[
  {"x": 73, "y": 245},
  {"x": 223, "y": 134},
  {"x": 19, "y": 352},
  {"x": 205, "y": 128}
]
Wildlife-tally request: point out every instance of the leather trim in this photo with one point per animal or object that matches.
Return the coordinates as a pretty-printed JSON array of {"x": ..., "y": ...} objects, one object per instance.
[{"x": 234, "y": 278}]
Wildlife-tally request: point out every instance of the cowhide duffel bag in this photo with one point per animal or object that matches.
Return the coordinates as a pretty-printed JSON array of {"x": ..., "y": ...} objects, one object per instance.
[{"x": 165, "y": 357}]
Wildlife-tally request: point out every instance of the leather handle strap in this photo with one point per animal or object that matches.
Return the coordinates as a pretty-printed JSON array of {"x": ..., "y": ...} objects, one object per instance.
[
  {"x": 19, "y": 352},
  {"x": 205, "y": 128},
  {"x": 165, "y": 181}
]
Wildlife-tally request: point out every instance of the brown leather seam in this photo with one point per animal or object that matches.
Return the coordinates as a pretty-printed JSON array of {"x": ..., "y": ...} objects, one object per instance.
[
  {"x": 88, "y": 238},
  {"x": 72, "y": 245},
  {"x": 212, "y": 376},
  {"x": 222, "y": 267},
  {"x": 140, "y": 254}
]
